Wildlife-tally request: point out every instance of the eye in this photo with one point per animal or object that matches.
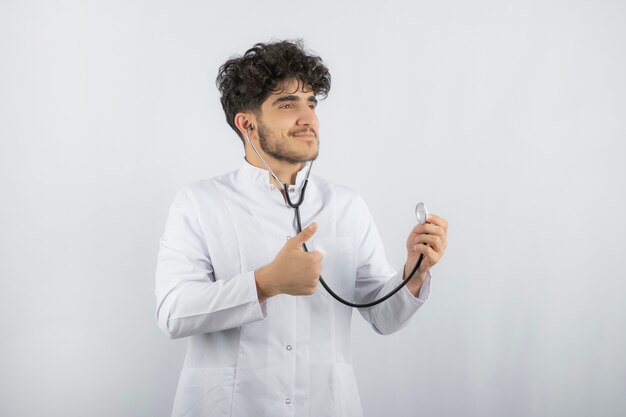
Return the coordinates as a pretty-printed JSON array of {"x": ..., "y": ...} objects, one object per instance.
[{"x": 286, "y": 106}]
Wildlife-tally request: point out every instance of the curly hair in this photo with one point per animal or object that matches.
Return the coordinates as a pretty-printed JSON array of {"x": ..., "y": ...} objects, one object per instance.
[{"x": 246, "y": 81}]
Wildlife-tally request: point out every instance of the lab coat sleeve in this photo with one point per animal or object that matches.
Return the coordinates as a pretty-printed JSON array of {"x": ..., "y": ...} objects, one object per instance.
[
  {"x": 376, "y": 277},
  {"x": 189, "y": 299}
]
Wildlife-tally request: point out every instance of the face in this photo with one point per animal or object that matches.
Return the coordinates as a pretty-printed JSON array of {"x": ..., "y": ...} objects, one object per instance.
[{"x": 288, "y": 125}]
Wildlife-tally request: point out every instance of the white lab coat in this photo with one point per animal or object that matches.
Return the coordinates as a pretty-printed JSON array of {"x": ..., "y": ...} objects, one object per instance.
[{"x": 287, "y": 356}]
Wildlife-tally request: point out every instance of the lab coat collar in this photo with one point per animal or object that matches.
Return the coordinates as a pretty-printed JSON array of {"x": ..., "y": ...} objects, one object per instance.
[{"x": 249, "y": 172}]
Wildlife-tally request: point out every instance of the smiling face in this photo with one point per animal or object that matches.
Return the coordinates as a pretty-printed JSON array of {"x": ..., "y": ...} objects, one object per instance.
[{"x": 287, "y": 124}]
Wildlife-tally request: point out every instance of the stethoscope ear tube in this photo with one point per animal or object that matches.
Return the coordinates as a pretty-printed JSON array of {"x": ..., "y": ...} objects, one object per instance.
[{"x": 278, "y": 181}]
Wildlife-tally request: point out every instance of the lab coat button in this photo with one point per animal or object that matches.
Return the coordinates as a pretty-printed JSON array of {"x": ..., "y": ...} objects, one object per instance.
[
  {"x": 288, "y": 347},
  {"x": 287, "y": 401},
  {"x": 292, "y": 189}
]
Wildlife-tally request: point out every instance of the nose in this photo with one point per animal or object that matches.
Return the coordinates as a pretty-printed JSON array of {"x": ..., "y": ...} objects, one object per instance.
[{"x": 307, "y": 117}]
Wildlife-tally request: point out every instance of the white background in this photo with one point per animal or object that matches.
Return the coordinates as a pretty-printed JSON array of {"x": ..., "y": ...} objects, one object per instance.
[{"x": 507, "y": 117}]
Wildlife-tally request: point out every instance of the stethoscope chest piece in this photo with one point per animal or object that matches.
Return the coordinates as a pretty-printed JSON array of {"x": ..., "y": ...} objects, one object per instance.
[{"x": 421, "y": 213}]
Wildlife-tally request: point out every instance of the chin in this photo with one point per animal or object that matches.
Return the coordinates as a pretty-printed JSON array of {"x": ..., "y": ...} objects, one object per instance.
[{"x": 311, "y": 157}]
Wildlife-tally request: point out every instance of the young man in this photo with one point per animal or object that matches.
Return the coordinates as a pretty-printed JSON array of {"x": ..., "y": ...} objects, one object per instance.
[{"x": 264, "y": 338}]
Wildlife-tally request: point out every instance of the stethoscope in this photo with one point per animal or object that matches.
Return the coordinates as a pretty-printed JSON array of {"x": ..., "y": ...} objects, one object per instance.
[{"x": 421, "y": 213}]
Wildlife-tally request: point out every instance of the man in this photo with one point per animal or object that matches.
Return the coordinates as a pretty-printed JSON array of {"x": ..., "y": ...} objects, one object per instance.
[{"x": 264, "y": 339}]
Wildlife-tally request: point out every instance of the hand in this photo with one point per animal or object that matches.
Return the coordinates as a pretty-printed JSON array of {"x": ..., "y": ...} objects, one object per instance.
[
  {"x": 429, "y": 239},
  {"x": 293, "y": 271}
]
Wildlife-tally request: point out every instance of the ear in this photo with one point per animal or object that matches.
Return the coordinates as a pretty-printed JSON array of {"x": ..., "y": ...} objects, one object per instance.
[{"x": 245, "y": 121}]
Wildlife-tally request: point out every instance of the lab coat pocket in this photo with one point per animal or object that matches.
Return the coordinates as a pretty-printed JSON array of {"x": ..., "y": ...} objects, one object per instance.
[
  {"x": 205, "y": 392},
  {"x": 344, "y": 391},
  {"x": 338, "y": 265}
]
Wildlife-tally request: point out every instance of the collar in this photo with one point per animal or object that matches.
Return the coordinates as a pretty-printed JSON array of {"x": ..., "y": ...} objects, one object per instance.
[{"x": 251, "y": 173}]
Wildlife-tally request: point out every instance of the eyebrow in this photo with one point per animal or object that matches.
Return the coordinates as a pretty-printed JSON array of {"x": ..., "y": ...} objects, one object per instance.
[{"x": 310, "y": 99}]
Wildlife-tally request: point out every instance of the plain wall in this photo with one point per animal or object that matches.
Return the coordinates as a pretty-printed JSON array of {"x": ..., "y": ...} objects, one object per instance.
[{"x": 508, "y": 118}]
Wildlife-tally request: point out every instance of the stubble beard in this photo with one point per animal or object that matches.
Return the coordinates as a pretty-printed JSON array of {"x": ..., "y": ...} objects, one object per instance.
[{"x": 277, "y": 149}]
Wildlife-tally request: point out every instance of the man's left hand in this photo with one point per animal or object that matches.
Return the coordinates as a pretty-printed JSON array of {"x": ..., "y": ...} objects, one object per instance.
[{"x": 429, "y": 239}]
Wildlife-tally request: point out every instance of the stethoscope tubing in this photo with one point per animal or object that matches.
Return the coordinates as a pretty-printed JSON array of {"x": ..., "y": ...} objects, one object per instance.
[
  {"x": 324, "y": 284},
  {"x": 297, "y": 205}
]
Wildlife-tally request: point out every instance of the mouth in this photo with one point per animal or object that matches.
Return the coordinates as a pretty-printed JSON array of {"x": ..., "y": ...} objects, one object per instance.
[{"x": 306, "y": 135}]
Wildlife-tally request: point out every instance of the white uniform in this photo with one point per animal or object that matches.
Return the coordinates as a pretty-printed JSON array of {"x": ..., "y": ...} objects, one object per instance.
[{"x": 290, "y": 355}]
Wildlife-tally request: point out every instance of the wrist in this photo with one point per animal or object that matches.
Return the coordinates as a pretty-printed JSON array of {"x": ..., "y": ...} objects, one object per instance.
[
  {"x": 420, "y": 274},
  {"x": 415, "y": 284},
  {"x": 262, "y": 279}
]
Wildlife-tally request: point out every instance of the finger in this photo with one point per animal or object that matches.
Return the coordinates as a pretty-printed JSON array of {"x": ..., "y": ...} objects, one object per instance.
[
  {"x": 436, "y": 231},
  {"x": 439, "y": 221},
  {"x": 433, "y": 241},
  {"x": 303, "y": 236},
  {"x": 317, "y": 255},
  {"x": 430, "y": 256},
  {"x": 428, "y": 228}
]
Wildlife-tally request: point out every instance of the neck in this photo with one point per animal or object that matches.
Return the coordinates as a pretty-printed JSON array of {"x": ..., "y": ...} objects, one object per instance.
[{"x": 285, "y": 171}]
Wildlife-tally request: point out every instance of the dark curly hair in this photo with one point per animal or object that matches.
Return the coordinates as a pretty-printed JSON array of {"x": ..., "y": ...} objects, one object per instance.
[{"x": 246, "y": 81}]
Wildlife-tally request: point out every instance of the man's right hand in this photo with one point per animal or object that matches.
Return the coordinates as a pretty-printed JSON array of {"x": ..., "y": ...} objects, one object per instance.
[{"x": 293, "y": 271}]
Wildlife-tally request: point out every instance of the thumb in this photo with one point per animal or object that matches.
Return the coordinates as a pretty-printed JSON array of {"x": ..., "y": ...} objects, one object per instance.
[{"x": 304, "y": 235}]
